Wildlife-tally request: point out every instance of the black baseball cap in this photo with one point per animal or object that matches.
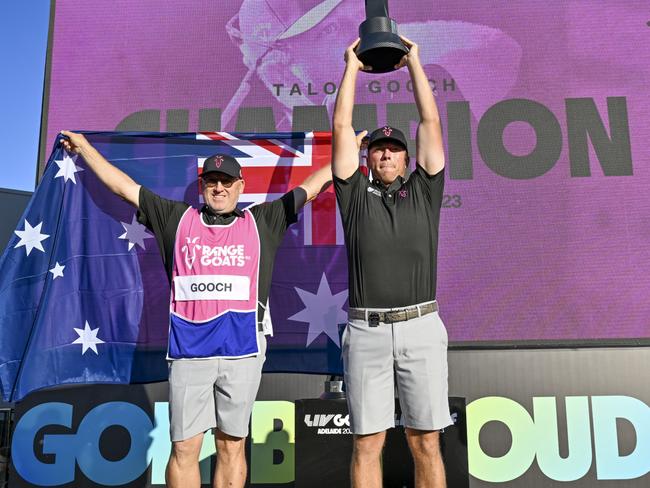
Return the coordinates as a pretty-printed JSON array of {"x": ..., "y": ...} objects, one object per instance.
[
  {"x": 221, "y": 163},
  {"x": 387, "y": 133}
]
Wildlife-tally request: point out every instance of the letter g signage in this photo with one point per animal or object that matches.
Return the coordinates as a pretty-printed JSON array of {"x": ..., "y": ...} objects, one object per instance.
[{"x": 82, "y": 446}]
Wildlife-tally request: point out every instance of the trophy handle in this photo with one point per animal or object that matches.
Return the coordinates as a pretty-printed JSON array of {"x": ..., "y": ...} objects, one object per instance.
[{"x": 376, "y": 8}]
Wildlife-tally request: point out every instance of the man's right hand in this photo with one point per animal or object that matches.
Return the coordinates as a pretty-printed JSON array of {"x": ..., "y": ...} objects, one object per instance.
[
  {"x": 73, "y": 142},
  {"x": 351, "y": 58},
  {"x": 116, "y": 180}
]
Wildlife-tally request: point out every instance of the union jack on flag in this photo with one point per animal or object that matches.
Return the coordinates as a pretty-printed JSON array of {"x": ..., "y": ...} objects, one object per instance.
[{"x": 273, "y": 165}]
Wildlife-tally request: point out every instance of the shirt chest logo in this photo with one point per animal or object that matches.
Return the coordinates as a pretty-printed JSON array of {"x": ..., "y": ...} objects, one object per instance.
[{"x": 374, "y": 191}]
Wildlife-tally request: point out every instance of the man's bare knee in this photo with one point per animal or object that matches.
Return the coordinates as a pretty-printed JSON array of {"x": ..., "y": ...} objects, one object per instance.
[
  {"x": 423, "y": 444},
  {"x": 366, "y": 447},
  {"x": 229, "y": 447},
  {"x": 186, "y": 452}
]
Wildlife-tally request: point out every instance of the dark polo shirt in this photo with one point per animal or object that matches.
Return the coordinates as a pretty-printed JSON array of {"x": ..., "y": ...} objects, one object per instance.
[{"x": 391, "y": 235}]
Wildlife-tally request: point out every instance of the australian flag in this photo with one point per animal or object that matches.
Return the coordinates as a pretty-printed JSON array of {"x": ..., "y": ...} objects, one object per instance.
[{"x": 83, "y": 293}]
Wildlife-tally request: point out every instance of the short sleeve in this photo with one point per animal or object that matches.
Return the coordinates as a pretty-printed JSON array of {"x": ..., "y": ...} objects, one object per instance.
[
  {"x": 155, "y": 211},
  {"x": 432, "y": 186},
  {"x": 276, "y": 216},
  {"x": 348, "y": 190},
  {"x": 161, "y": 216}
]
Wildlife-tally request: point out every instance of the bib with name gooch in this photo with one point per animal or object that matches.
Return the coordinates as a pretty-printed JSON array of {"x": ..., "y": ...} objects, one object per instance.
[{"x": 213, "y": 311}]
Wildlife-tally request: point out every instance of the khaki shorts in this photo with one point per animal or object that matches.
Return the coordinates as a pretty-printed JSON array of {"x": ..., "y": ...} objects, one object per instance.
[
  {"x": 412, "y": 355},
  {"x": 213, "y": 393}
]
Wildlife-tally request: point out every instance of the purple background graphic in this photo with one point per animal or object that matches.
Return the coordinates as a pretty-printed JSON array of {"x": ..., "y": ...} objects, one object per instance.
[{"x": 554, "y": 257}]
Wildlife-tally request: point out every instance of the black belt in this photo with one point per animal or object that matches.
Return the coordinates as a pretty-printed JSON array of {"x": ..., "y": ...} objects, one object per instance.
[{"x": 390, "y": 316}]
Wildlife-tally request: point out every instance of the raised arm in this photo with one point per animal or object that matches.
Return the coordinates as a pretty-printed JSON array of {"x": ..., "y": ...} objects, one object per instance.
[
  {"x": 345, "y": 149},
  {"x": 320, "y": 180},
  {"x": 429, "y": 149},
  {"x": 116, "y": 180}
]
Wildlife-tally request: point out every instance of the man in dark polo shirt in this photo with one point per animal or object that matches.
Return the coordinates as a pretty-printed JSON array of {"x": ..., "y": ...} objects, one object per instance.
[
  {"x": 219, "y": 260},
  {"x": 394, "y": 335}
]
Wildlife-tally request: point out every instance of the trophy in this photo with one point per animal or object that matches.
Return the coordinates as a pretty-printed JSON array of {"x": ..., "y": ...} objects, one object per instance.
[{"x": 380, "y": 47}]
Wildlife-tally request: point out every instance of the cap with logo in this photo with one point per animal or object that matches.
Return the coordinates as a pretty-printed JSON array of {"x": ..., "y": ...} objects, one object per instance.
[
  {"x": 222, "y": 163},
  {"x": 387, "y": 133}
]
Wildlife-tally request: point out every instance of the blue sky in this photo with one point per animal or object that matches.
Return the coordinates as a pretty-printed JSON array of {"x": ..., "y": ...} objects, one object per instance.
[{"x": 23, "y": 45}]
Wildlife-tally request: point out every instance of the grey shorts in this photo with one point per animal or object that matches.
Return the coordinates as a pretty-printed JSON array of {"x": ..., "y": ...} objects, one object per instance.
[
  {"x": 411, "y": 354},
  {"x": 209, "y": 393}
]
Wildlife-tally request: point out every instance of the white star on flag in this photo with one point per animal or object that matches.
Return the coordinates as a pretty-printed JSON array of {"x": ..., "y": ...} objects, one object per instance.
[
  {"x": 67, "y": 168},
  {"x": 135, "y": 233},
  {"x": 31, "y": 237},
  {"x": 57, "y": 271},
  {"x": 323, "y": 311},
  {"x": 88, "y": 339}
]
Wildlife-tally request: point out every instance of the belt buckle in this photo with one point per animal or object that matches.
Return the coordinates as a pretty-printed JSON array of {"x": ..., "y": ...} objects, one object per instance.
[{"x": 373, "y": 319}]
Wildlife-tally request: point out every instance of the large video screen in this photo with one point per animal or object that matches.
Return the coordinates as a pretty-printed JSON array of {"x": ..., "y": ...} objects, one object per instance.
[{"x": 545, "y": 226}]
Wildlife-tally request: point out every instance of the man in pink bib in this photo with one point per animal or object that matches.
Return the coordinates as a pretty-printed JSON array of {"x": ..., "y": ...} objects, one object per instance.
[{"x": 219, "y": 260}]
